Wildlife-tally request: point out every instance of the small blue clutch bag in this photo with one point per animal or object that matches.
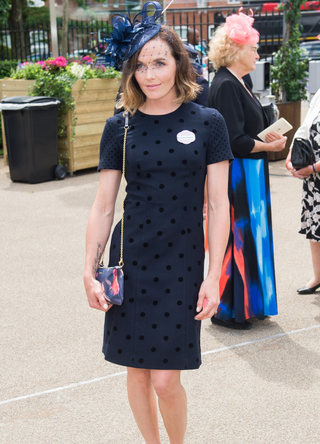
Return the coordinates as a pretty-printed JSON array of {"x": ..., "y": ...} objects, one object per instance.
[{"x": 111, "y": 279}]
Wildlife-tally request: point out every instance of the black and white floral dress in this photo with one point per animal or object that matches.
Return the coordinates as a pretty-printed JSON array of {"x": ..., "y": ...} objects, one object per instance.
[{"x": 310, "y": 212}]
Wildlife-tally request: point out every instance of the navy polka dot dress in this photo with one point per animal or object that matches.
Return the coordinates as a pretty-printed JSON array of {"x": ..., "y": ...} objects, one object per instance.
[{"x": 166, "y": 159}]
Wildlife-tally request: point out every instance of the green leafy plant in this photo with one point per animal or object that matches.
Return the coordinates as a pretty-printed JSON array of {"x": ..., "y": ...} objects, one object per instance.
[
  {"x": 289, "y": 73},
  {"x": 6, "y": 67},
  {"x": 26, "y": 71},
  {"x": 60, "y": 86},
  {"x": 56, "y": 77}
]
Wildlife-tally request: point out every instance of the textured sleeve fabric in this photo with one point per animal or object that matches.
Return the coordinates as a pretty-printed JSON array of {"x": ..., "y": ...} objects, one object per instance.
[
  {"x": 304, "y": 131},
  {"x": 228, "y": 103},
  {"x": 218, "y": 146},
  {"x": 111, "y": 144}
]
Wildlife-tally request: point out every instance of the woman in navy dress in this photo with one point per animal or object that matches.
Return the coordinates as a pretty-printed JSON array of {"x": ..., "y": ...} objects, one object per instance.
[
  {"x": 247, "y": 286},
  {"x": 172, "y": 144}
]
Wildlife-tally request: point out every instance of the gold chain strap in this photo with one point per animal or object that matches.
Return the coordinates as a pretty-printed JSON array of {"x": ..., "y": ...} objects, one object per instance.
[{"x": 126, "y": 127}]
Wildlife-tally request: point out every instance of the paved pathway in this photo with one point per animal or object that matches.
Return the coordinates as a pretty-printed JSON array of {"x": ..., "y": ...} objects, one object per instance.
[{"x": 257, "y": 387}]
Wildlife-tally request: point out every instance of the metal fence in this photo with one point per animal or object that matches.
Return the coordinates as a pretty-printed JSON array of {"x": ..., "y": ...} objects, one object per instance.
[{"x": 33, "y": 41}]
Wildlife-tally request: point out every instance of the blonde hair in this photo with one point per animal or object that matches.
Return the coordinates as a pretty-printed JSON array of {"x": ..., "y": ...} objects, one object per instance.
[
  {"x": 223, "y": 50},
  {"x": 185, "y": 79}
]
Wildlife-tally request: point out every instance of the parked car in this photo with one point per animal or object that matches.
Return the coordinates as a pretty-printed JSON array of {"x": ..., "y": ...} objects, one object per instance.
[
  {"x": 307, "y": 6},
  {"x": 35, "y": 57},
  {"x": 312, "y": 49}
]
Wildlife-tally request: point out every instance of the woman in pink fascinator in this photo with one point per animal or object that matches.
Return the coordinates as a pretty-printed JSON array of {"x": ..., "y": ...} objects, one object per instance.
[{"x": 247, "y": 284}]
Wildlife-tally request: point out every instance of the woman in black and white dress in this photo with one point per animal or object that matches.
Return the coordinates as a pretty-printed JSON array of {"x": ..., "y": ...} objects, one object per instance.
[{"x": 310, "y": 211}]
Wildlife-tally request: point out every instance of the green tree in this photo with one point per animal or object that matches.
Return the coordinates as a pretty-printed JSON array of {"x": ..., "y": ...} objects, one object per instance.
[
  {"x": 4, "y": 10},
  {"x": 17, "y": 15},
  {"x": 289, "y": 72}
]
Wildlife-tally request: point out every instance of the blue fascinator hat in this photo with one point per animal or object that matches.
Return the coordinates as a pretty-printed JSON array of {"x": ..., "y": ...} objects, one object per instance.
[{"x": 128, "y": 36}]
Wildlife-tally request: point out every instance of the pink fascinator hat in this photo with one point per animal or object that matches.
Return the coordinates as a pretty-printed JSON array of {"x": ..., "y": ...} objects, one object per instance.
[{"x": 239, "y": 28}]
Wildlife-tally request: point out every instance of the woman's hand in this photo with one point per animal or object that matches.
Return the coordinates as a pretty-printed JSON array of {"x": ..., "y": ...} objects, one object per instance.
[
  {"x": 289, "y": 164},
  {"x": 275, "y": 142},
  {"x": 303, "y": 172},
  {"x": 95, "y": 295},
  {"x": 208, "y": 299},
  {"x": 300, "y": 174}
]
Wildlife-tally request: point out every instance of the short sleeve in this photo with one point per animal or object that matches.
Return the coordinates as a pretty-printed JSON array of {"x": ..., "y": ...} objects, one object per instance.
[
  {"x": 218, "y": 145},
  {"x": 111, "y": 145}
]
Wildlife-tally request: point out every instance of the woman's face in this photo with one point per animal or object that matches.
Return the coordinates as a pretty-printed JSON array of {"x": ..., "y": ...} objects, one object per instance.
[
  {"x": 249, "y": 57},
  {"x": 156, "y": 70}
]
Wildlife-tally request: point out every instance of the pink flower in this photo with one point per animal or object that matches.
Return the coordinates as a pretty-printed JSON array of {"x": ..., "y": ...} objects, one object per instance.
[
  {"x": 100, "y": 67},
  {"x": 87, "y": 59},
  {"x": 239, "y": 28},
  {"x": 42, "y": 64},
  {"x": 25, "y": 63},
  {"x": 59, "y": 61}
]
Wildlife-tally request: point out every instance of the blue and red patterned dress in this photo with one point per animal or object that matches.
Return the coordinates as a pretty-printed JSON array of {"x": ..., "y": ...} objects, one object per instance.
[{"x": 247, "y": 285}]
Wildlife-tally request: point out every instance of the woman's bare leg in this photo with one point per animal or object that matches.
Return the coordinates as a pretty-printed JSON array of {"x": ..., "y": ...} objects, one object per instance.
[
  {"x": 172, "y": 403},
  {"x": 315, "y": 254},
  {"x": 143, "y": 403}
]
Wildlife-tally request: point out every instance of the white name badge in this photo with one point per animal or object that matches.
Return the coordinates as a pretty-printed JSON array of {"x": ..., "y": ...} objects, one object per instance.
[{"x": 186, "y": 137}]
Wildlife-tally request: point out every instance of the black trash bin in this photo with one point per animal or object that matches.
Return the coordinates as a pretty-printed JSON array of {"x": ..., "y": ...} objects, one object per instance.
[{"x": 31, "y": 128}]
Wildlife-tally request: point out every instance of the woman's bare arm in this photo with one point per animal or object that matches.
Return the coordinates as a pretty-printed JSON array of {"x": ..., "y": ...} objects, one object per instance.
[
  {"x": 218, "y": 211},
  {"x": 98, "y": 231}
]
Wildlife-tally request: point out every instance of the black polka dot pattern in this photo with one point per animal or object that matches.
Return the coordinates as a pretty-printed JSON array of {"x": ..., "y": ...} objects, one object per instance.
[{"x": 163, "y": 235}]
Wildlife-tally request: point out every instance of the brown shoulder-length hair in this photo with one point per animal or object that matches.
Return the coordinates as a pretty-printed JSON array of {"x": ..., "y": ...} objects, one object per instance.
[{"x": 185, "y": 79}]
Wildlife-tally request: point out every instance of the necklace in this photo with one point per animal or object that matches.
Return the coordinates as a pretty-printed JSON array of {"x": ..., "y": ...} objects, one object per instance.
[{"x": 240, "y": 80}]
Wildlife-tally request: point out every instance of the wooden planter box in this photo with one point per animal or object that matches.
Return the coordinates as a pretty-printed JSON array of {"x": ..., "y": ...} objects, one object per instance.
[
  {"x": 291, "y": 111},
  {"x": 94, "y": 105}
]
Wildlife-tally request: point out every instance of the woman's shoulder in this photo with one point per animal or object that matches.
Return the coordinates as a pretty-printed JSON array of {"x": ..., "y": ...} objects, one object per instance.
[
  {"x": 224, "y": 78},
  {"x": 113, "y": 129},
  {"x": 224, "y": 86},
  {"x": 315, "y": 101},
  {"x": 203, "y": 111},
  {"x": 209, "y": 117},
  {"x": 117, "y": 119}
]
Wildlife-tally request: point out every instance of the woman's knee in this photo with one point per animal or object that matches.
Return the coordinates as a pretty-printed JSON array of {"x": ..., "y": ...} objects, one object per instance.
[
  {"x": 166, "y": 383},
  {"x": 139, "y": 376}
]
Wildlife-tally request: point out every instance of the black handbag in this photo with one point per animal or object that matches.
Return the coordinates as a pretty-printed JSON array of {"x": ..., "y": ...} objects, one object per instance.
[
  {"x": 302, "y": 154},
  {"x": 112, "y": 278},
  {"x": 271, "y": 112}
]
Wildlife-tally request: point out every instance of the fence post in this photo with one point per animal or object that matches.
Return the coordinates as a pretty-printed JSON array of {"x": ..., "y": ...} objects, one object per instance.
[{"x": 53, "y": 27}]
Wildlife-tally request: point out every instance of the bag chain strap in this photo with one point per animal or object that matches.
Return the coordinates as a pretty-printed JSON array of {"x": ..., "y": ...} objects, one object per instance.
[{"x": 126, "y": 127}]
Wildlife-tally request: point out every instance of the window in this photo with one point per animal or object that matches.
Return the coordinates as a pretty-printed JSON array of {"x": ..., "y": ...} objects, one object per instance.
[
  {"x": 210, "y": 31},
  {"x": 182, "y": 32},
  {"x": 132, "y": 4}
]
